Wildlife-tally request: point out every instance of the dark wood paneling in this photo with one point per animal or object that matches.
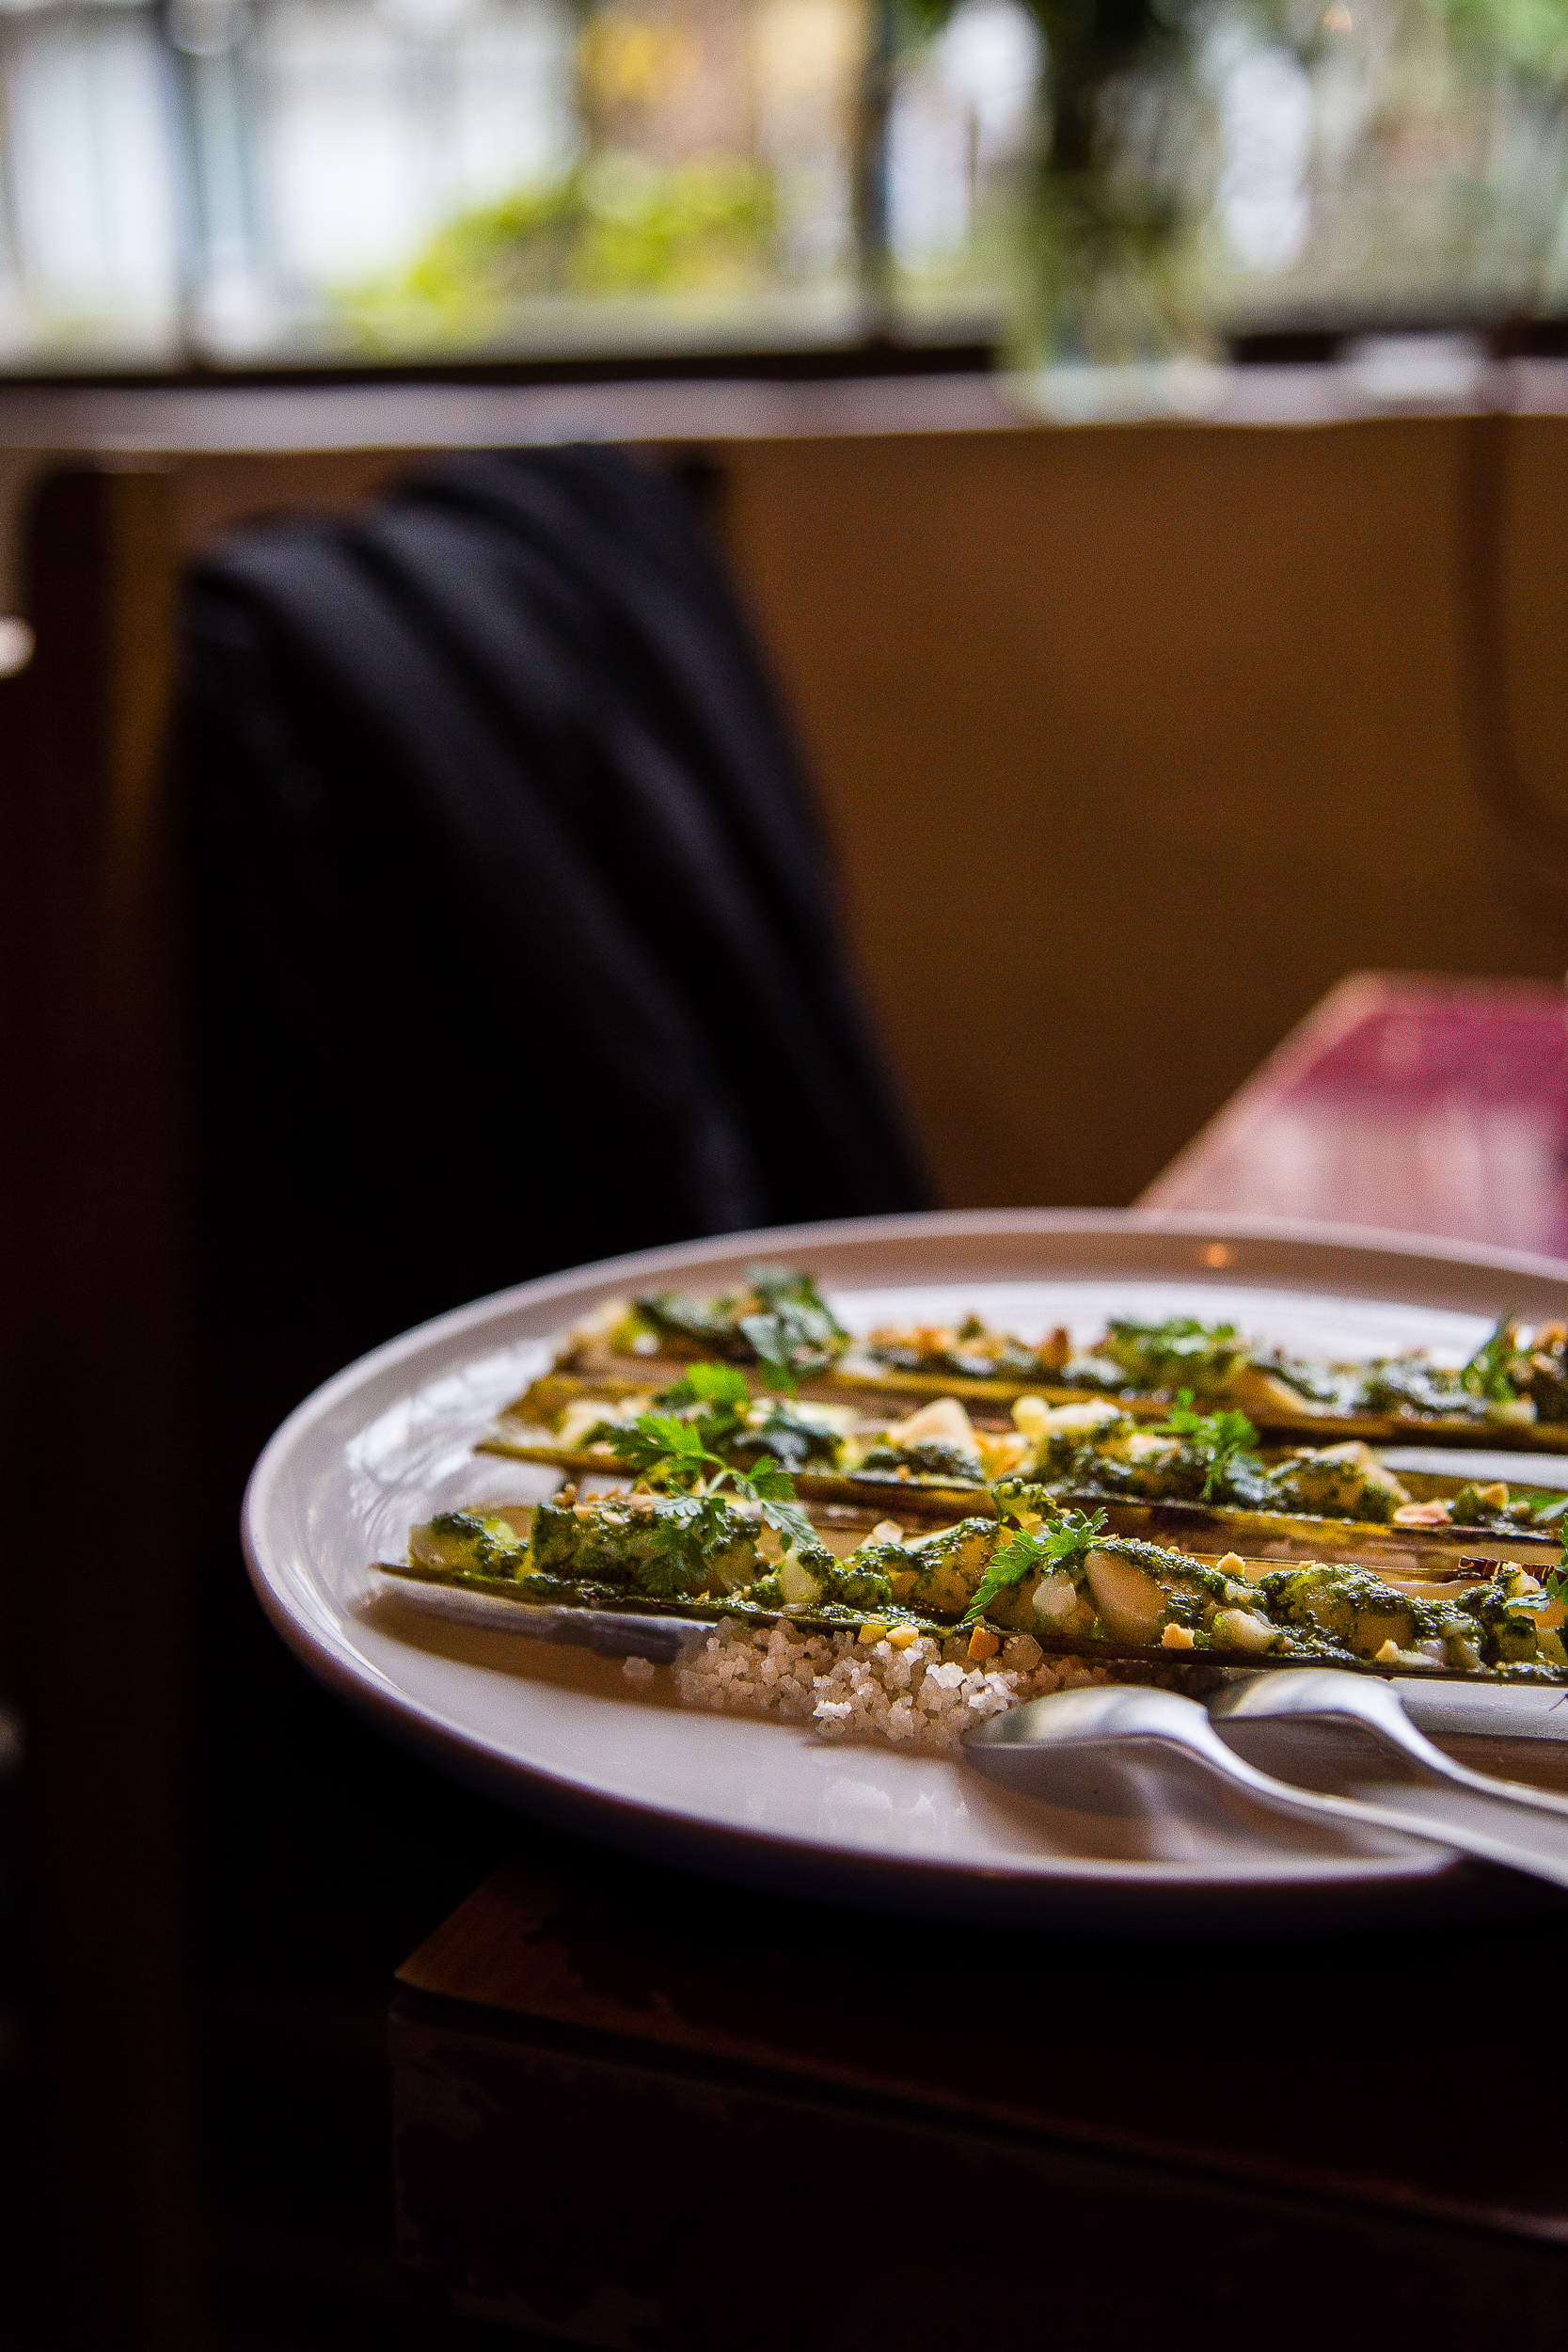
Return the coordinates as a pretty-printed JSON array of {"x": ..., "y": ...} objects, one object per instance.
[{"x": 93, "y": 1364}]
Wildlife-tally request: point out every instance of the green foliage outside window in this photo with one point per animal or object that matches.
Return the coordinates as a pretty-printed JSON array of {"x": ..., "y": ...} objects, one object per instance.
[
  {"x": 618, "y": 225},
  {"x": 1114, "y": 242}
]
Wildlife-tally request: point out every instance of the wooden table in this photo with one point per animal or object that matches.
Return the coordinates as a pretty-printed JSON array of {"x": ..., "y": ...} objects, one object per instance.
[
  {"x": 643, "y": 2110},
  {"x": 1428, "y": 1105},
  {"x": 634, "y": 2109},
  {"x": 638, "y": 2110}
]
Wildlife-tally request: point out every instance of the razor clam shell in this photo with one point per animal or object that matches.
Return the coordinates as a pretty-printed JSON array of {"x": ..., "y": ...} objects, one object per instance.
[
  {"x": 598, "y": 1366},
  {"x": 674, "y": 1633},
  {"x": 1303, "y": 1535}
]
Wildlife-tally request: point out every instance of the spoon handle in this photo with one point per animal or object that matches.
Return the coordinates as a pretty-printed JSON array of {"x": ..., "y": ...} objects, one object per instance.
[
  {"x": 1522, "y": 1827},
  {"x": 1193, "y": 1750},
  {"x": 1489, "y": 1824},
  {"x": 1392, "y": 1804},
  {"x": 1083, "y": 1741},
  {"x": 1337, "y": 1738}
]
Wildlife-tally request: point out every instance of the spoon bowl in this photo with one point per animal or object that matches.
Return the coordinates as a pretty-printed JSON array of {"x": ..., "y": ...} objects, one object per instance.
[{"x": 1128, "y": 1750}]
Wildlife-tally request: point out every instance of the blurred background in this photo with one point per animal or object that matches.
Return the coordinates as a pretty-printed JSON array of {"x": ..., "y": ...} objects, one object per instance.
[{"x": 232, "y": 182}]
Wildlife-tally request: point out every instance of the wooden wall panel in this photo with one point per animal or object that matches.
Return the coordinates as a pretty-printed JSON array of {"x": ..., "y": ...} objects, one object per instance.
[
  {"x": 1134, "y": 742},
  {"x": 92, "y": 1356}
]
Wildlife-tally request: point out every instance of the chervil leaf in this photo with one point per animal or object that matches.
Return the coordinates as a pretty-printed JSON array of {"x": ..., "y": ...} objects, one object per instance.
[
  {"x": 1555, "y": 1580},
  {"x": 1064, "y": 1541},
  {"x": 764, "y": 1480},
  {"x": 678, "y": 1447},
  {"x": 1221, "y": 1436},
  {"x": 791, "y": 1330},
  {"x": 1227, "y": 1433},
  {"x": 1233, "y": 1434},
  {"x": 770, "y": 1336},
  {"x": 779, "y": 1318},
  {"x": 1181, "y": 1421},
  {"x": 1007, "y": 1566},
  {"x": 709, "y": 1384},
  {"x": 722, "y": 1397},
  {"x": 1072, "y": 1534},
  {"x": 1485, "y": 1374},
  {"x": 790, "y": 1524},
  {"x": 681, "y": 1453},
  {"x": 657, "y": 1444}
]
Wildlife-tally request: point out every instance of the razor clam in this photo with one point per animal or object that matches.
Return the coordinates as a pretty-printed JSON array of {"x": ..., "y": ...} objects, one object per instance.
[
  {"x": 1516, "y": 1384},
  {"x": 1075, "y": 1588},
  {"x": 1087, "y": 1479}
]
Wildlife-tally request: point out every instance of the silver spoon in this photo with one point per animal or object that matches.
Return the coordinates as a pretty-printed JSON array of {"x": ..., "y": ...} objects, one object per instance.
[
  {"x": 1126, "y": 1749},
  {"x": 1348, "y": 1735}
]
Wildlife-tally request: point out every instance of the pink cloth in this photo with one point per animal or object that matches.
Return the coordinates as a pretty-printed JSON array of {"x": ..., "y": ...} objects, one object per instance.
[{"x": 1426, "y": 1104}]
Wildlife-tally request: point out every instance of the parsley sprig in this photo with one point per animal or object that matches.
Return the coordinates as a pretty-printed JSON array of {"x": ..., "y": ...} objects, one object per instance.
[
  {"x": 1555, "y": 1580},
  {"x": 1221, "y": 1436},
  {"x": 1486, "y": 1375},
  {"x": 792, "y": 1332},
  {"x": 681, "y": 1452},
  {"x": 779, "y": 1321},
  {"x": 1062, "y": 1544}
]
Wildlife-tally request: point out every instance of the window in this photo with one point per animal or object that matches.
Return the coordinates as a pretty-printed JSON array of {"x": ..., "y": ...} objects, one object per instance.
[
  {"x": 252, "y": 181},
  {"x": 322, "y": 178}
]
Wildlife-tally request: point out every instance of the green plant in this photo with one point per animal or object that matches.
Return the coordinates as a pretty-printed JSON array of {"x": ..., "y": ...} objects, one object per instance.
[{"x": 619, "y": 223}]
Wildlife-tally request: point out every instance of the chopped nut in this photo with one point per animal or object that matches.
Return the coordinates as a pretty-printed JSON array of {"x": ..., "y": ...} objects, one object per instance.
[
  {"x": 1387, "y": 1656},
  {"x": 1232, "y": 1565},
  {"x": 983, "y": 1642},
  {"x": 1176, "y": 1637},
  {"x": 886, "y": 1532},
  {"x": 872, "y": 1629},
  {"x": 1424, "y": 1514},
  {"x": 1495, "y": 1496},
  {"x": 1032, "y": 1415},
  {"x": 903, "y": 1637},
  {"x": 945, "y": 1419}
]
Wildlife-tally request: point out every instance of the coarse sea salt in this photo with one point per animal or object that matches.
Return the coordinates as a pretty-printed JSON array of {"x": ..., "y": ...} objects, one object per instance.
[{"x": 925, "y": 1696}]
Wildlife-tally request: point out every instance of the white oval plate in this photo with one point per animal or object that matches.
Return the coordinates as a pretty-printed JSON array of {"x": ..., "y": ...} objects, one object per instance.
[{"x": 562, "y": 1734}]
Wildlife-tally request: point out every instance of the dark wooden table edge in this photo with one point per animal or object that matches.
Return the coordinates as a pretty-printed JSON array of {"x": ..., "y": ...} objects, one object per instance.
[{"x": 1330, "y": 2195}]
